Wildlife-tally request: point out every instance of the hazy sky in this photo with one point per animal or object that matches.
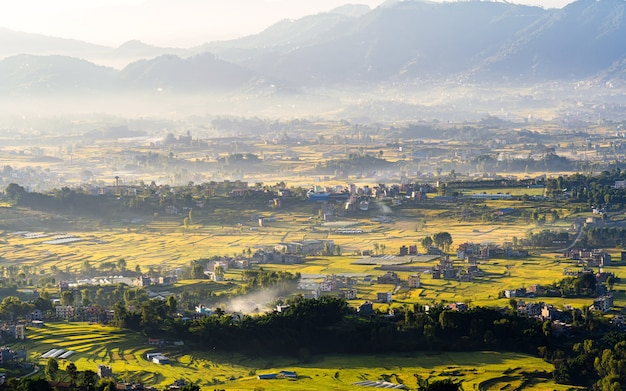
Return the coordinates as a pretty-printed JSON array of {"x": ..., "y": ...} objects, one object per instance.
[{"x": 165, "y": 22}]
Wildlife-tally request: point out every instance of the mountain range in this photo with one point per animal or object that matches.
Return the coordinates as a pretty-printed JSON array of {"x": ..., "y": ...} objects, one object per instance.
[{"x": 398, "y": 42}]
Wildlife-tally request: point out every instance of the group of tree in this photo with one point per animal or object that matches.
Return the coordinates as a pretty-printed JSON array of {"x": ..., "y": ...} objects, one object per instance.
[
  {"x": 354, "y": 162},
  {"x": 598, "y": 363},
  {"x": 548, "y": 161},
  {"x": 12, "y": 308},
  {"x": 441, "y": 240},
  {"x": 328, "y": 325},
  {"x": 261, "y": 279},
  {"x": 546, "y": 239},
  {"x": 58, "y": 200},
  {"x": 144, "y": 199},
  {"x": 239, "y": 158},
  {"x": 582, "y": 285},
  {"x": 87, "y": 380},
  {"x": 604, "y": 237},
  {"x": 593, "y": 190}
]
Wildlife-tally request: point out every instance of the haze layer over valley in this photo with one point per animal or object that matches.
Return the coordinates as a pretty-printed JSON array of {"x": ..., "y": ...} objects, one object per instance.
[{"x": 407, "y": 60}]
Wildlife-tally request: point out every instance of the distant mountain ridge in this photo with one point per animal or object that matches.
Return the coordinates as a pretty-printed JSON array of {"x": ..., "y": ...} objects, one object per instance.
[
  {"x": 16, "y": 42},
  {"x": 52, "y": 74},
  {"x": 399, "y": 41}
]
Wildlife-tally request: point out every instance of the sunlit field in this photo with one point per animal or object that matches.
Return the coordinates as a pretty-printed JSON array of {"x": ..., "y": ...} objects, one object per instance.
[
  {"x": 126, "y": 353},
  {"x": 164, "y": 243}
]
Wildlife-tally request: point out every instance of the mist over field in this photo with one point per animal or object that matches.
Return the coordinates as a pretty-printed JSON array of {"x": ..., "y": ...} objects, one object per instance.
[
  {"x": 257, "y": 302},
  {"x": 398, "y": 194},
  {"x": 407, "y": 60}
]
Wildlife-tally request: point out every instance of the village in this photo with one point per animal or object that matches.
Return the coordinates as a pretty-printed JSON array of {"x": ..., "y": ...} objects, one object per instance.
[{"x": 444, "y": 242}]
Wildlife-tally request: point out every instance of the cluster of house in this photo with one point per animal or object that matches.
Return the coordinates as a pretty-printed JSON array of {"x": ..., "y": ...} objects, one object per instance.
[
  {"x": 470, "y": 253},
  {"x": 548, "y": 312},
  {"x": 590, "y": 258},
  {"x": 274, "y": 256},
  {"x": 87, "y": 313},
  {"x": 543, "y": 311},
  {"x": 283, "y": 253},
  {"x": 381, "y": 191},
  {"x": 391, "y": 277},
  {"x": 342, "y": 285},
  {"x": 143, "y": 281},
  {"x": 12, "y": 330},
  {"x": 473, "y": 251},
  {"x": 601, "y": 276},
  {"x": 533, "y": 290},
  {"x": 602, "y": 302},
  {"x": 307, "y": 247},
  {"x": 8, "y": 355},
  {"x": 410, "y": 250},
  {"x": 105, "y": 371},
  {"x": 448, "y": 271}
]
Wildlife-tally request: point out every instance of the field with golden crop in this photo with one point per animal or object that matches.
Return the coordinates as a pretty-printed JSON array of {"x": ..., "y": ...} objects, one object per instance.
[
  {"x": 126, "y": 351},
  {"x": 164, "y": 243}
]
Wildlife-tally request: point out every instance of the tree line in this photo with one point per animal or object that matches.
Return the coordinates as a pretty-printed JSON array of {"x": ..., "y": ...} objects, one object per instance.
[{"x": 328, "y": 325}]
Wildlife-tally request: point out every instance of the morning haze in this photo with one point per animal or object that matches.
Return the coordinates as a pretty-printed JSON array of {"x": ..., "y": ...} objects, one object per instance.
[{"x": 299, "y": 195}]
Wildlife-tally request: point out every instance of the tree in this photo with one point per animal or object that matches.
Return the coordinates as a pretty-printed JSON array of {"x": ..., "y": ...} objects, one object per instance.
[
  {"x": 85, "y": 297},
  {"x": 88, "y": 379},
  {"x": 72, "y": 372},
  {"x": 153, "y": 312},
  {"x": 337, "y": 250},
  {"x": 120, "y": 315},
  {"x": 219, "y": 272},
  {"x": 52, "y": 369},
  {"x": 438, "y": 385},
  {"x": 12, "y": 307},
  {"x": 121, "y": 264},
  {"x": 186, "y": 222},
  {"x": 30, "y": 384},
  {"x": 610, "y": 281},
  {"x": 107, "y": 384},
  {"x": 426, "y": 242},
  {"x": 326, "y": 250},
  {"x": 172, "y": 305},
  {"x": 15, "y": 191},
  {"x": 443, "y": 240},
  {"x": 67, "y": 298},
  {"x": 197, "y": 271},
  {"x": 43, "y": 304}
]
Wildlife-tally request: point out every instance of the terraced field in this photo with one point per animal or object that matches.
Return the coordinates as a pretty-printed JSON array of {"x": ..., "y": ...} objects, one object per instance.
[{"x": 125, "y": 353}]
